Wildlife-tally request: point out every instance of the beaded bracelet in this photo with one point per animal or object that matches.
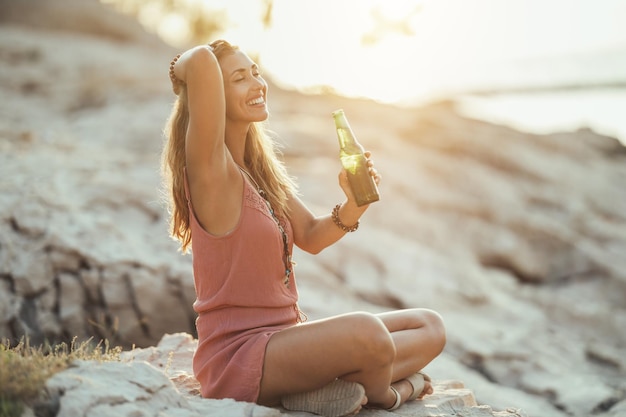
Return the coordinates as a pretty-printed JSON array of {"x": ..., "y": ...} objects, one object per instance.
[
  {"x": 340, "y": 225},
  {"x": 172, "y": 75}
]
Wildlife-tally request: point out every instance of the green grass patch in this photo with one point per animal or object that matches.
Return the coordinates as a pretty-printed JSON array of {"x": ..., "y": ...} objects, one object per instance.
[{"x": 24, "y": 369}]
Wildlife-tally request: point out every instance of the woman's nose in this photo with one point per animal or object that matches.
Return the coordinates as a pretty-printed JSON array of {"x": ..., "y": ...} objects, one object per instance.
[{"x": 260, "y": 83}]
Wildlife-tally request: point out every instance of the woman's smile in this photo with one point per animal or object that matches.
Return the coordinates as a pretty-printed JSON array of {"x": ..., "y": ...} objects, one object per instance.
[{"x": 257, "y": 101}]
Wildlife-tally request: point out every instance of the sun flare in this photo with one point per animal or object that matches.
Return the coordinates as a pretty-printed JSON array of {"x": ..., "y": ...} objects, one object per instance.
[{"x": 400, "y": 50}]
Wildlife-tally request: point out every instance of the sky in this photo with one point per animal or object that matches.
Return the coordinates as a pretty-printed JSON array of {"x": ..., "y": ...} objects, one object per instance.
[
  {"x": 360, "y": 48},
  {"x": 415, "y": 51}
]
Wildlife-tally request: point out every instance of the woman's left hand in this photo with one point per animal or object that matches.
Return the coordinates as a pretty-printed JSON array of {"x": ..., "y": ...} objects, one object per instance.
[
  {"x": 343, "y": 177},
  {"x": 373, "y": 171}
]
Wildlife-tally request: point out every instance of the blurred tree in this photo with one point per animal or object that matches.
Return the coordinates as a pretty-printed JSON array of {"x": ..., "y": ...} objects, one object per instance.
[
  {"x": 267, "y": 14},
  {"x": 386, "y": 26},
  {"x": 202, "y": 22}
]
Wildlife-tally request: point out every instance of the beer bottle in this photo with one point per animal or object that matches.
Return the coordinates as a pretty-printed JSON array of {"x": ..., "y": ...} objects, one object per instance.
[{"x": 353, "y": 160}]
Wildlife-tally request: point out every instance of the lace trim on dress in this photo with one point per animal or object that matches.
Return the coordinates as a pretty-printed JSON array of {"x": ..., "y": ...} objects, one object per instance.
[{"x": 255, "y": 201}]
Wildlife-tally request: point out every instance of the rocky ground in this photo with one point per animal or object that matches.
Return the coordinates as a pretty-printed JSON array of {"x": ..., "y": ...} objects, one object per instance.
[{"x": 518, "y": 240}]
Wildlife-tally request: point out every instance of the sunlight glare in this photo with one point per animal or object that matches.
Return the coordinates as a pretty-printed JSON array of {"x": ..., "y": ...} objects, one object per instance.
[
  {"x": 409, "y": 50},
  {"x": 367, "y": 48},
  {"x": 328, "y": 48},
  {"x": 174, "y": 29}
]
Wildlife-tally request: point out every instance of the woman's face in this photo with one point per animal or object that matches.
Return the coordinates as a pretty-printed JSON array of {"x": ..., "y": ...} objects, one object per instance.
[{"x": 245, "y": 89}]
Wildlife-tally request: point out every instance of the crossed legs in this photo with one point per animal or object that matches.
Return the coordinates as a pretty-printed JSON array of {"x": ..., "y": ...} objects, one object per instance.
[{"x": 376, "y": 351}]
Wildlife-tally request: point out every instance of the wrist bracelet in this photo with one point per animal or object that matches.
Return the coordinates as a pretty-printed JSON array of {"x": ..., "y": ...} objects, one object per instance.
[{"x": 340, "y": 225}]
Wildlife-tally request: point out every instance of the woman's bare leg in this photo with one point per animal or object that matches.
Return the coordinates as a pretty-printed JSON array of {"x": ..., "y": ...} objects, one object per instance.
[
  {"x": 372, "y": 350},
  {"x": 354, "y": 347},
  {"x": 419, "y": 337}
]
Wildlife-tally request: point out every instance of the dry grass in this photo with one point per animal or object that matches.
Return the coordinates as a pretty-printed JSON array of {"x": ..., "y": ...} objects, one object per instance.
[{"x": 24, "y": 369}]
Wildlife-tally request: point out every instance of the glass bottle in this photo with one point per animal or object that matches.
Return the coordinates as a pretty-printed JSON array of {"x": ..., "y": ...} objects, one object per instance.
[{"x": 353, "y": 160}]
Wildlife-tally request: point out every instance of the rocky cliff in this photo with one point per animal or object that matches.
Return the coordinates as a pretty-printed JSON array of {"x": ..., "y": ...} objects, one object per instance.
[{"x": 518, "y": 240}]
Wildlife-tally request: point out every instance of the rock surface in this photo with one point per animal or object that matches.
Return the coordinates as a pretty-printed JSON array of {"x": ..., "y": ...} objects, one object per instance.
[
  {"x": 518, "y": 240},
  {"x": 158, "y": 381}
]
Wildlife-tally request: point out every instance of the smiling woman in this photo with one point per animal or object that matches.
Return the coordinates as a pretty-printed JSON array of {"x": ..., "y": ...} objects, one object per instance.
[
  {"x": 231, "y": 197},
  {"x": 246, "y": 99}
]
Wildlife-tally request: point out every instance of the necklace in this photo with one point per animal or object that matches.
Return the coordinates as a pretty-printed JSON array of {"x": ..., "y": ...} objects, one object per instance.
[{"x": 286, "y": 255}]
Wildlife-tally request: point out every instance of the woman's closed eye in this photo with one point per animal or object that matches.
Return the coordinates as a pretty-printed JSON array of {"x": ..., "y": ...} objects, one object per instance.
[{"x": 254, "y": 73}]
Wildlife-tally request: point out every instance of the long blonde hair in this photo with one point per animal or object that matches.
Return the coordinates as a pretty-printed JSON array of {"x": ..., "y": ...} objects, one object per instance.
[{"x": 261, "y": 158}]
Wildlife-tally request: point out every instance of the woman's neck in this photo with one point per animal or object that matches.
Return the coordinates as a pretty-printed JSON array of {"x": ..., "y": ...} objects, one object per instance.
[{"x": 236, "y": 142}]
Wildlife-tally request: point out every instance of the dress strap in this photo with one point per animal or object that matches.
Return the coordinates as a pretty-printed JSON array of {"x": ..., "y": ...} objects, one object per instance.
[{"x": 187, "y": 194}]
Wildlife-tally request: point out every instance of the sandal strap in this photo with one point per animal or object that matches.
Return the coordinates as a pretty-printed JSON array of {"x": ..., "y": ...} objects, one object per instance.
[
  {"x": 398, "y": 400},
  {"x": 417, "y": 382}
]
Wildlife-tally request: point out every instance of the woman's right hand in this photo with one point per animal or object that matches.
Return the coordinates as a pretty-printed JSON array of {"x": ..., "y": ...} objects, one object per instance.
[{"x": 178, "y": 66}]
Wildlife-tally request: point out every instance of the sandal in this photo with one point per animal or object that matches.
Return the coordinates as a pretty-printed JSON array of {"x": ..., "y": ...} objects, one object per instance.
[
  {"x": 337, "y": 399},
  {"x": 417, "y": 381}
]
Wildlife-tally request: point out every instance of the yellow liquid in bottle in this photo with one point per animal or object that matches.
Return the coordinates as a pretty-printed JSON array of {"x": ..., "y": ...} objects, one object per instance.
[{"x": 354, "y": 162}]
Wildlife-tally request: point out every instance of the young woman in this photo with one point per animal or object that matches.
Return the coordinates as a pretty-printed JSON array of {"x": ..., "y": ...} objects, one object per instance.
[{"x": 232, "y": 197}]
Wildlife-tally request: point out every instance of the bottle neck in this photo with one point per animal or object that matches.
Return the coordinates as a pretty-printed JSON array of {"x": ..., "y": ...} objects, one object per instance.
[
  {"x": 347, "y": 140},
  {"x": 341, "y": 122}
]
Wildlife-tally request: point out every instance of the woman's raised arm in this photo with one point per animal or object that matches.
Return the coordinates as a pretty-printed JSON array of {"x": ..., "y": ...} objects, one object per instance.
[
  {"x": 211, "y": 172},
  {"x": 199, "y": 69}
]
